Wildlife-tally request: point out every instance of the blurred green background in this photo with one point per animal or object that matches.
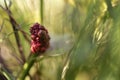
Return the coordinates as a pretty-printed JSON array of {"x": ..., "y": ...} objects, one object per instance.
[{"x": 85, "y": 38}]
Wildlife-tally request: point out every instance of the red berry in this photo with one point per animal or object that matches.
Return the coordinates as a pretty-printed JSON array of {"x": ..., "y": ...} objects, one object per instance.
[{"x": 40, "y": 38}]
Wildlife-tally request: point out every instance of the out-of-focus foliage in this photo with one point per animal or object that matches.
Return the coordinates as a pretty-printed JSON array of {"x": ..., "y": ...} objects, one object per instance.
[
  {"x": 96, "y": 52},
  {"x": 85, "y": 38}
]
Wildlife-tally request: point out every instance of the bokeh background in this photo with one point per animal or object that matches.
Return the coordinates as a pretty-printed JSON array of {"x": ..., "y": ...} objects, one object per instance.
[{"x": 84, "y": 44}]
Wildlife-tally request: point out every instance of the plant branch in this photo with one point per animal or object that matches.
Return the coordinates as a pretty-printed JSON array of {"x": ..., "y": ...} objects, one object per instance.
[
  {"x": 27, "y": 66},
  {"x": 15, "y": 27},
  {"x": 17, "y": 37},
  {"x": 41, "y": 10}
]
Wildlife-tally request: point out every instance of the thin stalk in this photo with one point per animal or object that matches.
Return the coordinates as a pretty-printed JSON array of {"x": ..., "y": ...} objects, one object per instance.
[
  {"x": 41, "y": 11},
  {"x": 7, "y": 75},
  {"x": 66, "y": 63},
  {"x": 27, "y": 66},
  {"x": 14, "y": 26},
  {"x": 17, "y": 37}
]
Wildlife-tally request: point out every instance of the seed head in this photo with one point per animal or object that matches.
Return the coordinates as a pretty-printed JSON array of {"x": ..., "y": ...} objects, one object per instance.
[{"x": 39, "y": 38}]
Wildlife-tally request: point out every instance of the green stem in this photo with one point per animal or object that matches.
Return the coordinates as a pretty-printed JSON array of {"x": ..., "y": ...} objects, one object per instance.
[
  {"x": 41, "y": 11},
  {"x": 27, "y": 66},
  {"x": 6, "y": 75}
]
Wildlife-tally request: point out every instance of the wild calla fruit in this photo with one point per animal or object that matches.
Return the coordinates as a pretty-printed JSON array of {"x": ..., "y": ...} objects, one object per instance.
[{"x": 39, "y": 38}]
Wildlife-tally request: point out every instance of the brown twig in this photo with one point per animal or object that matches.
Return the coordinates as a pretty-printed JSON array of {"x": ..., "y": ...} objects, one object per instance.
[
  {"x": 14, "y": 26},
  {"x": 25, "y": 36},
  {"x": 17, "y": 37}
]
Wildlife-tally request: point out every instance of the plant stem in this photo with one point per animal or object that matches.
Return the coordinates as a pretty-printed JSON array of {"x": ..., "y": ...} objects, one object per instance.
[
  {"x": 15, "y": 29},
  {"x": 17, "y": 37},
  {"x": 41, "y": 11},
  {"x": 27, "y": 66}
]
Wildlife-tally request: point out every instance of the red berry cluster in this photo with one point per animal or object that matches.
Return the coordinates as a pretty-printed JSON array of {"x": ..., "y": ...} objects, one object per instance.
[{"x": 40, "y": 38}]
